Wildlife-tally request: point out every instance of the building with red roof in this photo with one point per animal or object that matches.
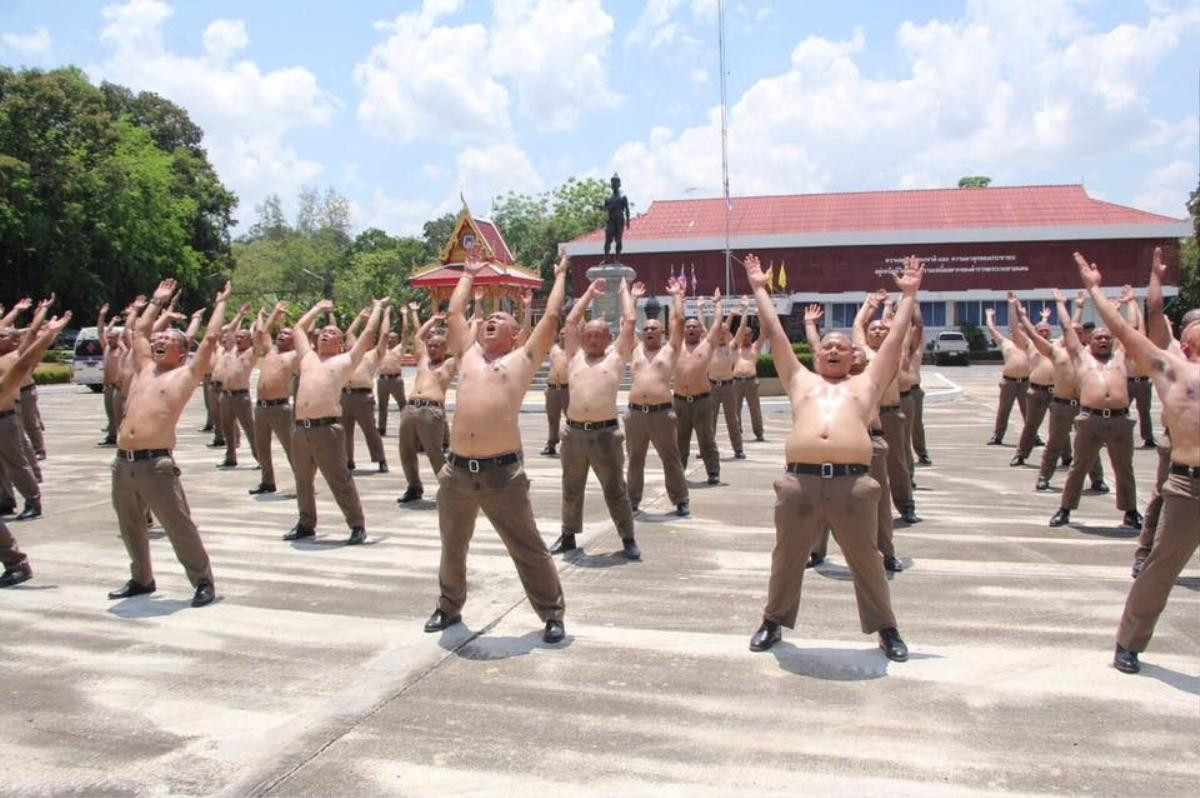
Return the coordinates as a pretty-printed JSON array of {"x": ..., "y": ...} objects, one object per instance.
[{"x": 977, "y": 243}]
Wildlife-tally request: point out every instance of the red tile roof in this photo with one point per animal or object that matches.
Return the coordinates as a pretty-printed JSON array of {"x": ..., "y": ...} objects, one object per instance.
[
  {"x": 495, "y": 240},
  {"x": 881, "y": 211}
]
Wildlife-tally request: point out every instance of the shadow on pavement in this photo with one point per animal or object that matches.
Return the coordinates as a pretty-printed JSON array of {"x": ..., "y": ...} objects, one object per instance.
[
  {"x": 837, "y": 664},
  {"x": 1180, "y": 681},
  {"x": 141, "y": 607},
  {"x": 484, "y": 649},
  {"x": 1106, "y": 531},
  {"x": 578, "y": 557}
]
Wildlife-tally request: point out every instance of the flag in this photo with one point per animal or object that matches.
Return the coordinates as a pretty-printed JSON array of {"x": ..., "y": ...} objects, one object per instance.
[
  {"x": 694, "y": 282},
  {"x": 771, "y": 278},
  {"x": 782, "y": 277}
]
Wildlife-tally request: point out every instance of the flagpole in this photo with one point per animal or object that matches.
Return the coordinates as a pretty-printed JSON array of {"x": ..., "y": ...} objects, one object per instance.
[{"x": 724, "y": 143}]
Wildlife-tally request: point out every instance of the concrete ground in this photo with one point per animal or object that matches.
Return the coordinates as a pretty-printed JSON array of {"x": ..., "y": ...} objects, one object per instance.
[{"x": 312, "y": 676}]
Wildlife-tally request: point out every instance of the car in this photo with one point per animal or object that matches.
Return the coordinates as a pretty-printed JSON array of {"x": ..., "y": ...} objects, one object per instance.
[
  {"x": 87, "y": 365},
  {"x": 950, "y": 346}
]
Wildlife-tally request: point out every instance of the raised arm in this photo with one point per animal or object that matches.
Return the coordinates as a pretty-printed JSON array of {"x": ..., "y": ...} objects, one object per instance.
[
  {"x": 1070, "y": 337},
  {"x": 858, "y": 333},
  {"x": 542, "y": 337},
  {"x": 629, "y": 297},
  {"x": 1143, "y": 351},
  {"x": 212, "y": 334},
  {"x": 786, "y": 362},
  {"x": 168, "y": 315},
  {"x": 1044, "y": 347},
  {"x": 419, "y": 348},
  {"x": 303, "y": 345},
  {"x": 458, "y": 334},
  {"x": 29, "y": 358},
  {"x": 526, "y": 317},
  {"x": 404, "y": 330},
  {"x": 385, "y": 326},
  {"x": 140, "y": 341},
  {"x": 10, "y": 318},
  {"x": 714, "y": 332},
  {"x": 676, "y": 289},
  {"x": 356, "y": 325},
  {"x": 39, "y": 316},
  {"x": 101, "y": 328},
  {"x": 263, "y": 337},
  {"x": 1156, "y": 325},
  {"x": 1014, "y": 326},
  {"x": 194, "y": 325},
  {"x": 812, "y": 315},
  {"x": 883, "y": 366},
  {"x": 360, "y": 344},
  {"x": 990, "y": 320},
  {"x": 577, "y": 316}
]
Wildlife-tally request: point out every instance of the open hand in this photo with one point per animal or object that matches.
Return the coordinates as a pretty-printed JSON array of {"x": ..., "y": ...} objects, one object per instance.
[
  {"x": 1089, "y": 273},
  {"x": 675, "y": 287},
  {"x": 637, "y": 290},
  {"x": 561, "y": 266},
  {"x": 224, "y": 294},
  {"x": 910, "y": 280},
  {"x": 755, "y": 273},
  {"x": 813, "y": 314},
  {"x": 164, "y": 290}
]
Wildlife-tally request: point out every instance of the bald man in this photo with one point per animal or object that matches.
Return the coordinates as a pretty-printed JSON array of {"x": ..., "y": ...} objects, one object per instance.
[
  {"x": 558, "y": 394},
  {"x": 272, "y": 411},
  {"x": 1014, "y": 379},
  {"x": 423, "y": 419},
  {"x": 389, "y": 384},
  {"x": 693, "y": 397}
]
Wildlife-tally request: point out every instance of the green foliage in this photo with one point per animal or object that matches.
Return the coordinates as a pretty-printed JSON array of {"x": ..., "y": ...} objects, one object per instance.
[
  {"x": 436, "y": 232},
  {"x": 976, "y": 340},
  {"x": 51, "y": 373},
  {"x": 974, "y": 181},
  {"x": 534, "y": 225},
  {"x": 765, "y": 366},
  {"x": 103, "y": 193},
  {"x": 1189, "y": 266}
]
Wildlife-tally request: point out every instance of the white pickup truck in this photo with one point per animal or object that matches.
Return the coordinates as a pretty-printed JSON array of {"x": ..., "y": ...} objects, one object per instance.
[{"x": 950, "y": 346}]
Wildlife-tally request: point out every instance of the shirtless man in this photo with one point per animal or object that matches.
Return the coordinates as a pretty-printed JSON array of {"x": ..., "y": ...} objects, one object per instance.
[
  {"x": 745, "y": 373},
  {"x": 226, "y": 344},
  {"x": 1014, "y": 382},
  {"x": 358, "y": 397},
  {"x": 484, "y": 471},
  {"x": 1139, "y": 378},
  {"x": 724, "y": 389},
  {"x": 145, "y": 475},
  {"x": 16, "y": 564},
  {"x": 272, "y": 413},
  {"x": 651, "y": 416},
  {"x": 558, "y": 393},
  {"x": 827, "y": 481},
  {"x": 913, "y": 405},
  {"x": 110, "y": 358},
  {"x": 235, "y": 389},
  {"x": 18, "y": 468},
  {"x": 870, "y": 334},
  {"x": 1103, "y": 419},
  {"x": 592, "y": 438},
  {"x": 31, "y": 417},
  {"x": 423, "y": 419},
  {"x": 318, "y": 438},
  {"x": 390, "y": 382},
  {"x": 693, "y": 399},
  {"x": 1041, "y": 382},
  {"x": 1177, "y": 380}
]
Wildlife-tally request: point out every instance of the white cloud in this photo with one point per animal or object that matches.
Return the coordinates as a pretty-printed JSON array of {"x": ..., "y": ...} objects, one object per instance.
[
  {"x": 391, "y": 214},
  {"x": 699, "y": 75},
  {"x": 1010, "y": 89},
  {"x": 1166, "y": 189},
  {"x": 246, "y": 113},
  {"x": 486, "y": 172},
  {"x": 34, "y": 47}
]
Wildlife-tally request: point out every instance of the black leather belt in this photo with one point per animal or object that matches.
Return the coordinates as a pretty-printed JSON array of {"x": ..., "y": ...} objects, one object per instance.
[
  {"x": 357, "y": 390},
  {"x": 238, "y": 392},
  {"x": 743, "y": 379},
  {"x": 215, "y": 384},
  {"x": 7, "y": 413},
  {"x": 424, "y": 403},
  {"x": 720, "y": 382},
  {"x": 25, "y": 388},
  {"x": 1016, "y": 379},
  {"x": 1034, "y": 386},
  {"x": 905, "y": 393},
  {"x": 635, "y": 407},
  {"x": 1058, "y": 400},
  {"x": 1105, "y": 412},
  {"x": 691, "y": 399},
  {"x": 142, "y": 454},
  {"x": 1185, "y": 471},
  {"x": 558, "y": 386},
  {"x": 828, "y": 470},
  {"x": 876, "y": 433},
  {"x": 591, "y": 425},
  {"x": 477, "y": 464},
  {"x": 889, "y": 408},
  {"x": 272, "y": 402},
  {"x": 1138, "y": 379},
  {"x": 309, "y": 423}
]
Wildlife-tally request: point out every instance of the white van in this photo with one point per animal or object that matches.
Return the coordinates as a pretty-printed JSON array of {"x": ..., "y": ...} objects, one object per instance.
[{"x": 87, "y": 367}]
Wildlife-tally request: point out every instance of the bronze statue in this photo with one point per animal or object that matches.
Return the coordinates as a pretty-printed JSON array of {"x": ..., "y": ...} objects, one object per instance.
[{"x": 616, "y": 205}]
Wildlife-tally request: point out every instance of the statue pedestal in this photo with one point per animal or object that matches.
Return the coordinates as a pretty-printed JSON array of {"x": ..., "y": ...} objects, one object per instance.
[{"x": 608, "y": 306}]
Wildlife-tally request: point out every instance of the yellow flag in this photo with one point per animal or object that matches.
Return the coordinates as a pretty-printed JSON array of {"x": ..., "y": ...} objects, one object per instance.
[
  {"x": 782, "y": 277},
  {"x": 771, "y": 278}
]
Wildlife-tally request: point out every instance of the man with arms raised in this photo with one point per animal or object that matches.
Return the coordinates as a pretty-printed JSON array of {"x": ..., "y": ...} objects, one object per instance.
[
  {"x": 722, "y": 385},
  {"x": 484, "y": 470},
  {"x": 110, "y": 358},
  {"x": 745, "y": 374},
  {"x": 651, "y": 418},
  {"x": 318, "y": 439},
  {"x": 423, "y": 419},
  {"x": 145, "y": 475},
  {"x": 1041, "y": 381},
  {"x": 272, "y": 413},
  {"x": 1177, "y": 380},
  {"x": 18, "y": 466},
  {"x": 390, "y": 382},
  {"x": 358, "y": 397},
  {"x": 558, "y": 393},
  {"x": 827, "y": 483},
  {"x": 1014, "y": 380},
  {"x": 693, "y": 399},
  {"x": 235, "y": 389},
  {"x": 593, "y": 436}
]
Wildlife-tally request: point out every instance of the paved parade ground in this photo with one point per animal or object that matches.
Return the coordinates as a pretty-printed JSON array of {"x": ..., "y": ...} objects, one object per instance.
[{"x": 312, "y": 676}]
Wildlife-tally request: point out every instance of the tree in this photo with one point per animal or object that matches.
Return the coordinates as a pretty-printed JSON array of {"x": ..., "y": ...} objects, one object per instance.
[
  {"x": 535, "y": 225},
  {"x": 436, "y": 232},
  {"x": 974, "y": 181},
  {"x": 1189, "y": 265}
]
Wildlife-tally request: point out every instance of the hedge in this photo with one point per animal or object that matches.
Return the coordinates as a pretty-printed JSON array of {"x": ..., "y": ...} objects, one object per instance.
[
  {"x": 766, "y": 363},
  {"x": 51, "y": 373}
]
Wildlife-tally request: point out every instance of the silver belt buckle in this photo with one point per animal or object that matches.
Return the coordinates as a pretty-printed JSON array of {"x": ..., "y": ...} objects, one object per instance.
[
  {"x": 587, "y": 426},
  {"x": 645, "y": 408},
  {"x": 826, "y": 470},
  {"x": 1106, "y": 413},
  {"x": 306, "y": 423},
  {"x": 473, "y": 466},
  {"x": 129, "y": 455}
]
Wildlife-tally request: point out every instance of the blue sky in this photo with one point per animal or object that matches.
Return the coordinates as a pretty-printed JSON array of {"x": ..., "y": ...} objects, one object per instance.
[{"x": 400, "y": 106}]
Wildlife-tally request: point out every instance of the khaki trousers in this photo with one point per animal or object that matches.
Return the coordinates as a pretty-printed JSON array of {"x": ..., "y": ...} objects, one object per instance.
[
  {"x": 421, "y": 428},
  {"x": 883, "y": 517},
  {"x": 323, "y": 449},
  {"x": 1154, "y": 506},
  {"x": 1010, "y": 391},
  {"x": 725, "y": 401},
  {"x": 236, "y": 410},
  {"x": 212, "y": 408},
  {"x": 31, "y": 418},
  {"x": 15, "y": 462},
  {"x": 603, "y": 451},
  {"x": 1115, "y": 434},
  {"x": 907, "y": 405},
  {"x": 657, "y": 427},
  {"x": 807, "y": 504},
  {"x": 388, "y": 387},
  {"x": 747, "y": 391},
  {"x": 899, "y": 477},
  {"x": 271, "y": 420},
  {"x": 1036, "y": 405},
  {"x": 359, "y": 408},
  {"x": 1175, "y": 540},
  {"x": 10, "y": 554},
  {"x": 697, "y": 415},
  {"x": 557, "y": 402},
  {"x": 110, "y": 411},
  {"x": 918, "y": 424},
  {"x": 503, "y": 495},
  {"x": 1058, "y": 441},
  {"x": 1139, "y": 394},
  {"x": 118, "y": 407},
  {"x": 154, "y": 484}
]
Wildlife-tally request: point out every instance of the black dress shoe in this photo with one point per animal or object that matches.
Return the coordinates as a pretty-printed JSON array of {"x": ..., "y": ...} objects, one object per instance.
[
  {"x": 299, "y": 533},
  {"x": 1018, "y": 460},
  {"x": 759, "y": 439},
  {"x": 1061, "y": 518},
  {"x": 995, "y": 440},
  {"x": 632, "y": 552},
  {"x": 550, "y": 450},
  {"x": 554, "y": 632},
  {"x": 1132, "y": 519},
  {"x": 32, "y": 510},
  {"x": 767, "y": 635},
  {"x": 131, "y": 589},
  {"x": 1150, "y": 443},
  {"x": 565, "y": 543},
  {"x": 1139, "y": 565},
  {"x": 227, "y": 463},
  {"x": 108, "y": 442},
  {"x": 909, "y": 516},
  {"x": 893, "y": 647},
  {"x": 383, "y": 467},
  {"x": 739, "y": 455},
  {"x": 206, "y": 428},
  {"x": 16, "y": 575},
  {"x": 1042, "y": 484},
  {"x": 893, "y": 565},
  {"x": 217, "y": 443},
  {"x": 714, "y": 479},
  {"x": 1100, "y": 487},
  {"x": 815, "y": 559},
  {"x": 358, "y": 536},
  {"x": 7, "y": 508},
  {"x": 204, "y": 595},
  {"x": 350, "y": 464},
  {"x": 383, "y": 432},
  {"x": 263, "y": 487},
  {"x": 683, "y": 510},
  {"x": 440, "y": 620},
  {"x": 410, "y": 495},
  {"x": 1126, "y": 661},
  {"x": 924, "y": 460},
  {"x": 1067, "y": 460}
]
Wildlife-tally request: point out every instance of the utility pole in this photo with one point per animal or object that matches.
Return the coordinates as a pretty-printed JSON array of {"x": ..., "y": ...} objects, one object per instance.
[{"x": 724, "y": 144}]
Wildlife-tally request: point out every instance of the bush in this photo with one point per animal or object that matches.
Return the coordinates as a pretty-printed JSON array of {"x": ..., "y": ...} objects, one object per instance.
[
  {"x": 58, "y": 356},
  {"x": 976, "y": 340},
  {"x": 51, "y": 374},
  {"x": 765, "y": 367}
]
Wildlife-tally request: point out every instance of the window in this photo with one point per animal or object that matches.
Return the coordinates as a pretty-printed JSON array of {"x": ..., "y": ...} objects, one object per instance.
[
  {"x": 934, "y": 314},
  {"x": 841, "y": 314},
  {"x": 975, "y": 312},
  {"x": 1034, "y": 308}
]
